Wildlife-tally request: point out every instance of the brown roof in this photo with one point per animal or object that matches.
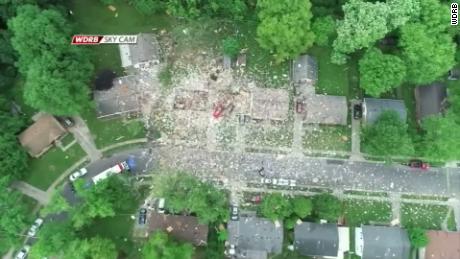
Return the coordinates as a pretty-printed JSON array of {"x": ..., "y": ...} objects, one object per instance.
[
  {"x": 41, "y": 135},
  {"x": 184, "y": 228},
  {"x": 443, "y": 245},
  {"x": 269, "y": 104}
]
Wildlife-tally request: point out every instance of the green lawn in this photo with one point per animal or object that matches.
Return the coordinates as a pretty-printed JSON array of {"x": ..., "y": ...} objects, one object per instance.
[
  {"x": 107, "y": 132},
  {"x": 332, "y": 79},
  {"x": 44, "y": 170},
  {"x": 334, "y": 138},
  {"x": 67, "y": 139},
  {"x": 423, "y": 216},
  {"x": 359, "y": 212},
  {"x": 451, "y": 226}
]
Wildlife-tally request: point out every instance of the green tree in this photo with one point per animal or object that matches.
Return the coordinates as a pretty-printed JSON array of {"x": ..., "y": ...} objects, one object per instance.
[
  {"x": 57, "y": 74},
  {"x": 327, "y": 206},
  {"x": 284, "y": 27},
  {"x": 402, "y": 11},
  {"x": 323, "y": 28},
  {"x": 418, "y": 237},
  {"x": 302, "y": 206},
  {"x": 387, "y": 136},
  {"x": 101, "y": 200},
  {"x": 364, "y": 23},
  {"x": 427, "y": 56},
  {"x": 231, "y": 46},
  {"x": 13, "y": 164},
  {"x": 275, "y": 207},
  {"x": 13, "y": 213},
  {"x": 53, "y": 239},
  {"x": 185, "y": 193},
  {"x": 235, "y": 9},
  {"x": 160, "y": 246},
  {"x": 437, "y": 139},
  {"x": 57, "y": 204},
  {"x": 434, "y": 15},
  {"x": 94, "y": 248},
  {"x": 380, "y": 72}
]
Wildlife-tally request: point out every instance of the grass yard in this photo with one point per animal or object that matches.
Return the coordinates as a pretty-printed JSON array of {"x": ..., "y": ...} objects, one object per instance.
[
  {"x": 332, "y": 79},
  {"x": 107, "y": 132},
  {"x": 333, "y": 138},
  {"x": 67, "y": 139},
  {"x": 359, "y": 212},
  {"x": 44, "y": 170},
  {"x": 451, "y": 225},
  {"x": 423, "y": 216}
]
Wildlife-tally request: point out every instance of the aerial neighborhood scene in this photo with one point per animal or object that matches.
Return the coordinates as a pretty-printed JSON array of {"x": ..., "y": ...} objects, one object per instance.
[{"x": 241, "y": 129}]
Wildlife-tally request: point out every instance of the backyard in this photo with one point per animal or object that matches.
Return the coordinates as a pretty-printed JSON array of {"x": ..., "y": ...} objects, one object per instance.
[{"x": 45, "y": 170}]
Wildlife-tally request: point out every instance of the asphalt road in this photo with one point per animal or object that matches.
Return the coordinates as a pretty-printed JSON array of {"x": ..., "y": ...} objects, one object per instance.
[{"x": 309, "y": 172}]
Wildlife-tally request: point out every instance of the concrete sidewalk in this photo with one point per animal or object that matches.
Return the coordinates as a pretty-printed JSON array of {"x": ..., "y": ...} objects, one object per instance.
[
  {"x": 83, "y": 135},
  {"x": 41, "y": 196}
]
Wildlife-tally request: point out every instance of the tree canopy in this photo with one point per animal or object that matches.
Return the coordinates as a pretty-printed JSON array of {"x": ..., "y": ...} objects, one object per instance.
[
  {"x": 327, "y": 206},
  {"x": 185, "y": 193},
  {"x": 275, "y": 206},
  {"x": 56, "y": 73},
  {"x": 380, "y": 72},
  {"x": 323, "y": 28},
  {"x": 387, "y": 137},
  {"x": 418, "y": 237},
  {"x": 438, "y": 135},
  {"x": 284, "y": 27},
  {"x": 427, "y": 56},
  {"x": 101, "y": 200},
  {"x": 161, "y": 246}
]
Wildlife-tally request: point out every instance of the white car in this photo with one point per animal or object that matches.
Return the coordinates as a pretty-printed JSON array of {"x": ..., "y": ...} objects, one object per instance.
[
  {"x": 266, "y": 180},
  {"x": 283, "y": 182},
  {"x": 34, "y": 228},
  {"x": 23, "y": 252},
  {"x": 78, "y": 174},
  {"x": 292, "y": 183}
]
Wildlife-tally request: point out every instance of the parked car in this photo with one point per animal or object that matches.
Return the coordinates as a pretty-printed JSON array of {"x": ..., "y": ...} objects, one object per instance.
[
  {"x": 234, "y": 213},
  {"x": 161, "y": 205},
  {"x": 66, "y": 121},
  {"x": 357, "y": 111},
  {"x": 78, "y": 174},
  {"x": 283, "y": 182},
  {"x": 292, "y": 183},
  {"x": 34, "y": 228},
  {"x": 142, "y": 216},
  {"x": 22, "y": 254},
  {"x": 417, "y": 163},
  {"x": 266, "y": 180},
  {"x": 299, "y": 107}
]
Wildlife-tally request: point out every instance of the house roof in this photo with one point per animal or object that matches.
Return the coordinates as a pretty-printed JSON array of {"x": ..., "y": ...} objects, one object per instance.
[
  {"x": 250, "y": 234},
  {"x": 385, "y": 242},
  {"x": 443, "y": 245},
  {"x": 269, "y": 103},
  {"x": 326, "y": 109},
  {"x": 373, "y": 107},
  {"x": 41, "y": 134},
  {"x": 304, "y": 70},
  {"x": 145, "y": 49},
  {"x": 430, "y": 99},
  {"x": 122, "y": 98},
  {"x": 313, "y": 239},
  {"x": 184, "y": 228}
]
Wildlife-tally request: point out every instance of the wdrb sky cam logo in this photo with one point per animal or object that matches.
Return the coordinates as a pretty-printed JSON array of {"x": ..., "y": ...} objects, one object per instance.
[
  {"x": 103, "y": 39},
  {"x": 454, "y": 14}
]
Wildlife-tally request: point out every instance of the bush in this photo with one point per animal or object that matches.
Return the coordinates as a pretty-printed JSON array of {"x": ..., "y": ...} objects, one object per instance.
[
  {"x": 231, "y": 46},
  {"x": 327, "y": 206},
  {"x": 418, "y": 237},
  {"x": 323, "y": 28}
]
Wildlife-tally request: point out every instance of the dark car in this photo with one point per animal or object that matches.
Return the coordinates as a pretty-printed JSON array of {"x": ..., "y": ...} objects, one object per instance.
[
  {"x": 417, "y": 163},
  {"x": 142, "y": 216},
  {"x": 357, "y": 111}
]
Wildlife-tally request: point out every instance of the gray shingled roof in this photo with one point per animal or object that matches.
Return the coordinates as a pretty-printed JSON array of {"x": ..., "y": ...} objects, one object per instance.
[
  {"x": 304, "y": 70},
  {"x": 373, "y": 107},
  {"x": 250, "y": 234},
  {"x": 430, "y": 100},
  {"x": 313, "y": 239},
  {"x": 385, "y": 243},
  {"x": 146, "y": 49}
]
